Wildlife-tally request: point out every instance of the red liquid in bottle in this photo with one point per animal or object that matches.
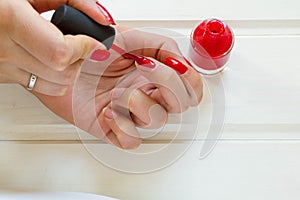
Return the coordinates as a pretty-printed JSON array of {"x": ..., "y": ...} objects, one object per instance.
[{"x": 211, "y": 44}]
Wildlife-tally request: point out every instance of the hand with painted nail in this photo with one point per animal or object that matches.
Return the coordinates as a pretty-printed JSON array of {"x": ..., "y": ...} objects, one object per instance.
[
  {"x": 116, "y": 94},
  {"x": 35, "y": 54}
]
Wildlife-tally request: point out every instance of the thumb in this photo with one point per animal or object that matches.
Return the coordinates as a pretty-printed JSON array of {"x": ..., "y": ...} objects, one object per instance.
[
  {"x": 171, "y": 91},
  {"x": 45, "y": 42},
  {"x": 81, "y": 47}
]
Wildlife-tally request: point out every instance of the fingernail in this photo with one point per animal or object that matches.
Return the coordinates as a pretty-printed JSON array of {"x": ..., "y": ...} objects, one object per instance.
[
  {"x": 148, "y": 65},
  {"x": 109, "y": 113},
  {"x": 176, "y": 65},
  {"x": 100, "y": 55},
  {"x": 106, "y": 14}
]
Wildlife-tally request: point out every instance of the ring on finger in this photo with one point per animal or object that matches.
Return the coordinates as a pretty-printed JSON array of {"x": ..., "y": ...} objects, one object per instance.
[{"x": 32, "y": 81}]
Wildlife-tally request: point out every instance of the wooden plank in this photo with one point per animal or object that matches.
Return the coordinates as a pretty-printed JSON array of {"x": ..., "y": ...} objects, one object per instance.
[
  {"x": 257, "y": 92},
  {"x": 199, "y": 10},
  {"x": 255, "y": 158},
  {"x": 259, "y": 170},
  {"x": 239, "y": 27},
  {"x": 195, "y": 10}
]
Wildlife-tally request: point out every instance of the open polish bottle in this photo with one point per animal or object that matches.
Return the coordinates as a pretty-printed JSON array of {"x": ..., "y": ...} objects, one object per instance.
[{"x": 210, "y": 45}]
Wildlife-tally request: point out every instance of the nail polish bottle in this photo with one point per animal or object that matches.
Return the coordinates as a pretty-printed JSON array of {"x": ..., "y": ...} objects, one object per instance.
[{"x": 210, "y": 45}]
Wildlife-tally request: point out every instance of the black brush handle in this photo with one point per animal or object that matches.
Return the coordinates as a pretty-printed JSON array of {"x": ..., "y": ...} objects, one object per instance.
[{"x": 71, "y": 21}]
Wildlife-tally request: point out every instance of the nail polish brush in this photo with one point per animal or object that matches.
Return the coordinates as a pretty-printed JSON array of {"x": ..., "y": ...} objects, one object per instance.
[{"x": 72, "y": 21}]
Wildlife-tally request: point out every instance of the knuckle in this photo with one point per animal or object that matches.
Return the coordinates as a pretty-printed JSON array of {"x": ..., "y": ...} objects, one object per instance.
[
  {"x": 170, "y": 41},
  {"x": 195, "y": 80},
  {"x": 59, "y": 91},
  {"x": 69, "y": 76},
  {"x": 197, "y": 89},
  {"x": 180, "y": 109},
  {"x": 170, "y": 76},
  {"x": 61, "y": 56},
  {"x": 133, "y": 97},
  {"x": 132, "y": 144},
  {"x": 159, "y": 119}
]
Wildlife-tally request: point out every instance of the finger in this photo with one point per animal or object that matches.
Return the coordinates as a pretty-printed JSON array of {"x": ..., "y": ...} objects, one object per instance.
[
  {"x": 89, "y": 7},
  {"x": 161, "y": 48},
  {"x": 194, "y": 85},
  {"x": 192, "y": 80},
  {"x": 123, "y": 128},
  {"x": 189, "y": 76},
  {"x": 45, "y": 42},
  {"x": 41, "y": 86},
  {"x": 148, "y": 44},
  {"x": 66, "y": 77},
  {"x": 145, "y": 111},
  {"x": 112, "y": 139},
  {"x": 32, "y": 65},
  {"x": 169, "y": 50},
  {"x": 170, "y": 86},
  {"x": 101, "y": 130}
]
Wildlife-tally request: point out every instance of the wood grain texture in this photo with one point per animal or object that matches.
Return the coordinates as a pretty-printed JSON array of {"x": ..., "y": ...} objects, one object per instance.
[
  {"x": 195, "y": 10},
  {"x": 258, "y": 94},
  {"x": 257, "y": 155},
  {"x": 249, "y": 170}
]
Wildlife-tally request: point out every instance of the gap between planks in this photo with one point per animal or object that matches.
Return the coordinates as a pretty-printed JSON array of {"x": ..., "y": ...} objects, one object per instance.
[
  {"x": 144, "y": 142},
  {"x": 240, "y": 27}
]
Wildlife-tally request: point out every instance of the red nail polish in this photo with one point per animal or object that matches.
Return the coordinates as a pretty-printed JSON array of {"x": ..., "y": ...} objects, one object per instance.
[
  {"x": 211, "y": 44},
  {"x": 176, "y": 65},
  {"x": 118, "y": 49},
  {"x": 145, "y": 62},
  {"x": 100, "y": 55},
  {"x": 106, "y": 14},
  {"x": 141, "y": 60}
]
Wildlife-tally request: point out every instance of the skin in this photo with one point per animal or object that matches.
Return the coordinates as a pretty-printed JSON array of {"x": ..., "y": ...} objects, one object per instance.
[
  {"x": 128, "y": 95},
  {"x": 30, "y": 44},
  {"x": 108, "y": 99}
]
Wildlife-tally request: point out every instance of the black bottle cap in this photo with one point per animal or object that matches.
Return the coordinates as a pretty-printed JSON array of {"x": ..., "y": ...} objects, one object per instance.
[{"x": 71, "y": 21}]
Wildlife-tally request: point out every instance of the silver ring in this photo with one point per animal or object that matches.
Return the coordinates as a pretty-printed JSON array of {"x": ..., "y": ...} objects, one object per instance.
[{"x": 32, "y": 82}]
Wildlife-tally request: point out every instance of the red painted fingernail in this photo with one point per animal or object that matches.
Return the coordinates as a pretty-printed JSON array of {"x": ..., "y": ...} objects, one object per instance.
[
  {"x": 176, "y": 65},
  {"x": 145, "y": 62},
  {"x": 100, "y": 55},
  {"x": 106, "y": 14}
]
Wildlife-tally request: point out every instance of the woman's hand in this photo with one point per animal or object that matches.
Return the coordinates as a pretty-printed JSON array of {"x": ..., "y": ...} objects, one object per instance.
[
  {"x": 32, "y": 45},
  {"x": 113, "y": 97}
]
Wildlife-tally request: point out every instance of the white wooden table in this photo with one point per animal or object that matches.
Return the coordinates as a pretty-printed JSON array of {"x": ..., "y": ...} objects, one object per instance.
[{"x": 257, "y": 156}]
